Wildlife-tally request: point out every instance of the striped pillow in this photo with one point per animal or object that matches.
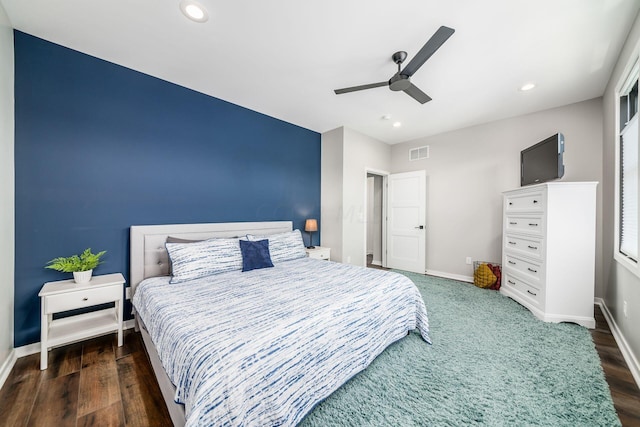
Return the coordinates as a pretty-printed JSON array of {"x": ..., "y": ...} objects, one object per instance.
[
  {"x": 193, "y": 260},
  {"x": 283, "y": 246}
]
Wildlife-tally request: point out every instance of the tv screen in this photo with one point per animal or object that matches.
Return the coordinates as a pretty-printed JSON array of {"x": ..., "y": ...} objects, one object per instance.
[{"x": 542, "y": 162}]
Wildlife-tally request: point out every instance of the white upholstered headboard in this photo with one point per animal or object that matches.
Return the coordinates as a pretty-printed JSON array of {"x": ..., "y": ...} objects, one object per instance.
[{"x": 149, "y": 256}]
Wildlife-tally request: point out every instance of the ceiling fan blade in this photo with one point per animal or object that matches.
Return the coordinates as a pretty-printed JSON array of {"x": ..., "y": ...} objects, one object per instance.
[
  {"x": 427, "y": 50},
  {"x": 362, "y": 87},
  {"x": 417, "y": 94}
]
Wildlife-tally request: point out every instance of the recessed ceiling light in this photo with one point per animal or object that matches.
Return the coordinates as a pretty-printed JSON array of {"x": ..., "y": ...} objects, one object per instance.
[
  {"x": 397, "y": 124},
  {"x": 194, "y": 11},
  {"x": 527, "y": 86}
]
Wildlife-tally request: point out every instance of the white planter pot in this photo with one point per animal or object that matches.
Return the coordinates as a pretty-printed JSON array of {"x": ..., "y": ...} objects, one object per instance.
[{"x": 82, "y": 276}]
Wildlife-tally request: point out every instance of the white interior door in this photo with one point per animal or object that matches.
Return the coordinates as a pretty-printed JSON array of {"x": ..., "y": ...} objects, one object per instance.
[{"x": 406, "y": 212}]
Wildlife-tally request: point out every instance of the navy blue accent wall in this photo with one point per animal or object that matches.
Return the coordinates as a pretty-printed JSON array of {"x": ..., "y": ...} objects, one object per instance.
[{"x": 100, "y": 147}]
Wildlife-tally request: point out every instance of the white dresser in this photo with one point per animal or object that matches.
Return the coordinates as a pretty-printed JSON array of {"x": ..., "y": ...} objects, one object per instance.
[{"x": 548, "y": 256}]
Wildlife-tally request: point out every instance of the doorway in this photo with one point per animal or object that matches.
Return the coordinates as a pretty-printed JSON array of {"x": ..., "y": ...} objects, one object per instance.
[{"x": 375, "y": 214}]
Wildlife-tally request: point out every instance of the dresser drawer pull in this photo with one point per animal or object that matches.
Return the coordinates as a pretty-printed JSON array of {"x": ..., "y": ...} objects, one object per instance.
[
  {"x": 533, "y": 224},
  {"x": 532, "y": 293},
  {"x": 511, "y": 262},
  {"x": 512, "y": 243},
  {"x": 513, "y": 223},
  {"x": 535, "y": 201},
  {"x": 510, "y": 203},
  {"x": 511, "y": 282},
  {"x": 85, "y": 299},
  {"x": 532, "y": 270},
  {"x": 532, "y": 247}
]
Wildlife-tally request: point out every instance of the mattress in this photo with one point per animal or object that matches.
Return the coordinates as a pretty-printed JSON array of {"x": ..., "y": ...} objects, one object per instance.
[{"x": 263, "y": 347}]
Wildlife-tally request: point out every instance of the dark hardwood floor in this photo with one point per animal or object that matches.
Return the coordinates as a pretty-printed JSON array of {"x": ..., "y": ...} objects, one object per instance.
[
  {"x": 96, "y": 383},
  {"x": 624, "y": 390},
  {"x": 93, "y": 383}
]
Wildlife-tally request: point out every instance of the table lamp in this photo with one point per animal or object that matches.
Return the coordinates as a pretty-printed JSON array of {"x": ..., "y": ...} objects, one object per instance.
[{"x": 310, "y": 226}]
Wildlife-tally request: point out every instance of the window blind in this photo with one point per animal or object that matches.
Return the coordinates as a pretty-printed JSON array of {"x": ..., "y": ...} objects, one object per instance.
[{"x": 629, "y": 190}]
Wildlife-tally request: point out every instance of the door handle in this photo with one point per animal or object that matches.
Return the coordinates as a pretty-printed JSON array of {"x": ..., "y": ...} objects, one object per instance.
[{"x": 421, "y": 227}]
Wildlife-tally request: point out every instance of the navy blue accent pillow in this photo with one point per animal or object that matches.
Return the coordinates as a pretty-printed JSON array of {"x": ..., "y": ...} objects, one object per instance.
[{"x": 255, "y": 254}]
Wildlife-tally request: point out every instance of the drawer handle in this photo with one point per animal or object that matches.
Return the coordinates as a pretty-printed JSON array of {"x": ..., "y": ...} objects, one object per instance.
[
  {"x": 511, "y": 282},
  {"x": 85, "y": 299},
  {"x": 532, "y": 293},
  {"x": 511, "y": 262},
  {"x": 513, "y": 223},
  {"x": 532, "y": 247},
  {"x": 532, "y": 270},
  {"x": 510, "y": 203},
  {"x": 535, "y": 201},
  {"x": 512, "y": 243},
  {"x": 533, "y": 224}
]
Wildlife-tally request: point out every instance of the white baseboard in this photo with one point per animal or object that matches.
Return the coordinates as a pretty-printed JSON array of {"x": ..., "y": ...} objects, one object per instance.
[
  {"x": 623, "y": 345},
  {"x": 459, "y": 277},
  {"x": 7, "y": 366},
  {"x": 376, "y": 262},
  {"x": 29, "y": 349}
]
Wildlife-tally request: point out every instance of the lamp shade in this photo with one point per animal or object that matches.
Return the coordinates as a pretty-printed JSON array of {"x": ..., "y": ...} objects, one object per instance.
[{"x": 311, "y": 225}]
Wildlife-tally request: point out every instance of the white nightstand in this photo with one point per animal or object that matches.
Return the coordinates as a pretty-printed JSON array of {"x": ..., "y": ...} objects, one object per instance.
[
  {"x": 319, "y": 253},
  {"x": 65, "y": 295}
]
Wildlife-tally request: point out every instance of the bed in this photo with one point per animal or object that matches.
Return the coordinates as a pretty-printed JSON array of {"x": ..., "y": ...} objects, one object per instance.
[{"x": 263, "y": 346}]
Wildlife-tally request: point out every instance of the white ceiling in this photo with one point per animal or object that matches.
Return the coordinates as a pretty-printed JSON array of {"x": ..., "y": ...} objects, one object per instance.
[{"x": 283, "y": 58}]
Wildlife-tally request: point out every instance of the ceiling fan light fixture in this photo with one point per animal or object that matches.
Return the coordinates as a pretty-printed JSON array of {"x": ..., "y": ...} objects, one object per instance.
[
  {"x": 527, "y": 86},
  {"x": 194, "y": 11}
]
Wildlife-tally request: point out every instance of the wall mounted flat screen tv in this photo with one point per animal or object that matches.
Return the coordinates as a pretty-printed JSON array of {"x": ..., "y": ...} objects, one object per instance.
[{"x": 542, "y": 162}]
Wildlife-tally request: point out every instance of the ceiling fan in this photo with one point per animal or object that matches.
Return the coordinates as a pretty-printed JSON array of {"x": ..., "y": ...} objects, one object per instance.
[{"x": 402, "y": 79}]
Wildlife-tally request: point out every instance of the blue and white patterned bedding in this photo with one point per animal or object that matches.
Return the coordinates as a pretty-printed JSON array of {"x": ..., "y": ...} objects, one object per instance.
[{"x": 261, "y": 348}]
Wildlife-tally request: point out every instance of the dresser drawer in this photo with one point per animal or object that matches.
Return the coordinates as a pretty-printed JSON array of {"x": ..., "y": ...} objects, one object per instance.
[
  {"x": 531, "y": 202},
  {"x": 524, "y": 224},
  {"x": 83, "y": 298},
  {"x": 531, "y": 270},
  {"x": 529, "y": 246},
  {"x": 528, "y": 291}
]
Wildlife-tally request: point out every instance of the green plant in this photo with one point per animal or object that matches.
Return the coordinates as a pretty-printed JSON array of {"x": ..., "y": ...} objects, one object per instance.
[{"x": 83, "y": 262}]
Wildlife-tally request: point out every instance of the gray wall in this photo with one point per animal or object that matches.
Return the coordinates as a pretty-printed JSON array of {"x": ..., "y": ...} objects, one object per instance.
[
  {"x": 620, "y": 284},
  {"x": 7, "y": 223},
  {"x": 331, "y": 191},
  {"x": 468, "y": 169},
  {"x": 347, "y": 156}
]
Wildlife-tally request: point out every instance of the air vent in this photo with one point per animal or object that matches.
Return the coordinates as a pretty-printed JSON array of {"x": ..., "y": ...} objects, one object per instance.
[{"x": 419, "y": 153}]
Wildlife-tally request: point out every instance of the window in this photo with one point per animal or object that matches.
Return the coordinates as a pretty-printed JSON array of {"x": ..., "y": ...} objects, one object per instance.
[{"x": 628, "y": 171}]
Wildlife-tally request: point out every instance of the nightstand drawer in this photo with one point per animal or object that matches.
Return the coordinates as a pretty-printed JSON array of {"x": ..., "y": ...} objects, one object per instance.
[
  {"x": 82, "y": 298},
  {"x": 319, "y": 252},
  {"x": 319, "y": 255}
]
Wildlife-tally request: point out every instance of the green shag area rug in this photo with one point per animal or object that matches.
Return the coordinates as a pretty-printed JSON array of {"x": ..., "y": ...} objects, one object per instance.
[{"x": 492, "y": 363}]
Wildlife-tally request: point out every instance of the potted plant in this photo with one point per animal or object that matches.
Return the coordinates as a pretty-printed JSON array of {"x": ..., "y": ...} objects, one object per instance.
[{"x": 80, "y": 265}]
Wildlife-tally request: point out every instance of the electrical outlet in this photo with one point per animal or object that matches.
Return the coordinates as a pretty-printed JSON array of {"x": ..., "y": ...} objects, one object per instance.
[
  {"x": 127, "y": 293},
  {"x": 468, "y": 260},
  {"x": 624, "y": 308}
]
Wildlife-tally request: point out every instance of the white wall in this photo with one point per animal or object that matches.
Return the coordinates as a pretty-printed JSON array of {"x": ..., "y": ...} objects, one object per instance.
[
  {"x": 7, "y": 237},
  {"x": 620, "y": 284},
  {"x": 347, "y": 155},
  {"x": 468, "y": 169}
]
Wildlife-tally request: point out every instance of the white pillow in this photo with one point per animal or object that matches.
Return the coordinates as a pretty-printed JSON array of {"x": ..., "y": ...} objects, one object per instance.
[
  {"x": 199, "y": 259},
  {"x": 283, "y": 246}
]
